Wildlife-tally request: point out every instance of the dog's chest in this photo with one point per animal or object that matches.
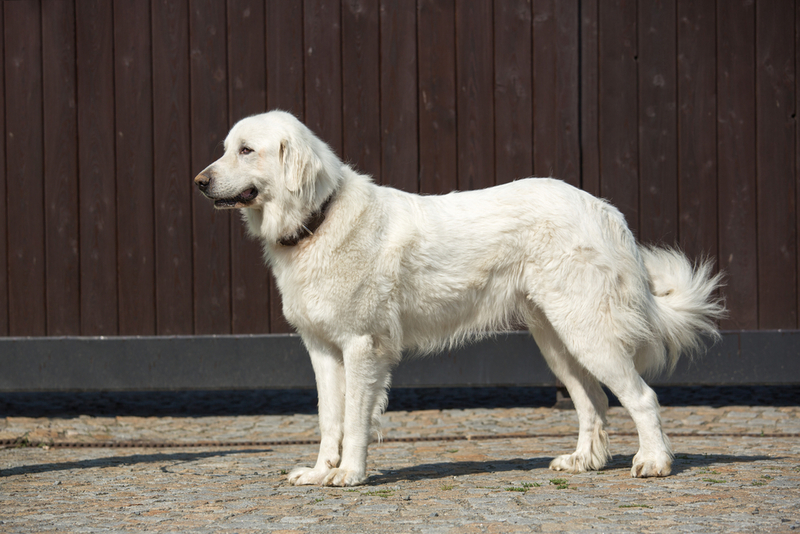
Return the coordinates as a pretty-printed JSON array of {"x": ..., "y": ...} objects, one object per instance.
[{"x": 330, "y": 292}]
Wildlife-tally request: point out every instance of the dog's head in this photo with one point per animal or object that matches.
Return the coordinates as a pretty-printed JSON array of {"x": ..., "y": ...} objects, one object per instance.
[{"x": 275, "y": 165}]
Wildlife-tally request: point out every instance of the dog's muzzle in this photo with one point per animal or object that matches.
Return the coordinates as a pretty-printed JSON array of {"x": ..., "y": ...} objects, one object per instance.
[
  {"x": 203, "y": 182},
  {"x": 241, "y": 200}
]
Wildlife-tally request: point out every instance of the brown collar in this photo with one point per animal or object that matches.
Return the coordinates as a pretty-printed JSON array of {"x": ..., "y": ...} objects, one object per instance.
[{"x": 310, "y": 225}]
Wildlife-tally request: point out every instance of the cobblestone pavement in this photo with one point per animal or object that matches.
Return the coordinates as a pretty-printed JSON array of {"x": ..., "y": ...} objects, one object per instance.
[{"x": 737, "y": 469}]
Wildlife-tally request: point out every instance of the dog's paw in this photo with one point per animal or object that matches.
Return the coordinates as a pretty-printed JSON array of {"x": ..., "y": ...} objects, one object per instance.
[
  {"x": 651, "y": 465},
  {"x": 344, "y": 477},
  {"x": 571, "y": 463},
  {"x": 307, "y": 476}
]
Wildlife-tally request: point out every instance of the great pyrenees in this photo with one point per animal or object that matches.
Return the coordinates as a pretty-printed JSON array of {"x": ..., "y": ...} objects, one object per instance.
[{"x": 367, "y": 272}]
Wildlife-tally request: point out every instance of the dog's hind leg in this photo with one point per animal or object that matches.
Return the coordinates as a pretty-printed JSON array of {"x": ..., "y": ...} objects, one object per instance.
[
  {"x": 590, "y": 402},
  {"x": 609, "y": 363},
  {"x": 654, "y": 458},
  {"x": 330, "y": 376}
]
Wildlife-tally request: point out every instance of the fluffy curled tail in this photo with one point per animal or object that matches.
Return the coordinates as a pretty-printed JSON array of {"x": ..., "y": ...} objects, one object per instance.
[{"x": 686, "y": 308}]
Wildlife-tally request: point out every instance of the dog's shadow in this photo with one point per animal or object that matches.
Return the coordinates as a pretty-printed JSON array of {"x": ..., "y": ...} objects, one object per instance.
[
  {"x": 431, "y": 471},
  {"x": 118, "y": 461},
  {"x": 686, "y": 461},
  {"x": 619, "y": 463}
]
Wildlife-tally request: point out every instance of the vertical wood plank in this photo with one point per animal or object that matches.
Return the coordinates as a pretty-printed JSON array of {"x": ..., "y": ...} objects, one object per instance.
[
  {"x": 247, "y": 60},
  {"x": 95, "y": 45},
  {"x": 171, "y": 159},
  {"x": 590, "y": 94},
  {"x": 544, "y": 88},
  {"x": 285, "y": 90},
  {"x": 24, "y": 178},
  {"x": 437, "y": 96},
  {"x": 250, "y": 279},
  {"x": 361, "y": 132},
  {"x": 285, "y": 56},
  {"x": 775, "y": 164},
  {"x": 475, "y": 102},
  {"x": 567, "y": 102},
  {"x": 658, "y": 142},
  {"x": 556, "y": 91},
  {"x": 209, "y": 125},
  {"x": 697, "y": 113},
  {"x": 398, "y": 89},
  {"x": 3, "y": 200},
  {"x": 513, "y": 94},
  {"x": 134, "y": 168},
  {"x": 61, "y": 169},
  {"x": 736, "y": 161},
  {"x": 619, "y": 165},
  {"x": 323, "y": 70},
  {"x": 247, "y": 89}
]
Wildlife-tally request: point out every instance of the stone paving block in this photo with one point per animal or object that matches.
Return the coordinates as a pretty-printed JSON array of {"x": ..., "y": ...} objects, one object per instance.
[{"x": 721, "y": 482}]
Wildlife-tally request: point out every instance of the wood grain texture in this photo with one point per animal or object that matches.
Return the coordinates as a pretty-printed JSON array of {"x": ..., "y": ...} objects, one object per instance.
[
  {"x": 589, "y": 98},
  {"x": 682, "y": 113},
  {"x": 323, "y": 70},
  {"x": 209, "y": 124},
  {"x": 134, "y": 168},
  {"x": 618, "y": 124},
  {"x": 775, "y": 165},
  {"x": 513, "y": 94},
  {"x": 285, "y": 67},
  {"x": 361, "y": 130},
  {"x": 247, "y": 96},
  {"x": 171, "y": 158},
  {"x": 475, "y": 96},
  {"x": 697, "y": 123},
  {"x": 98, "y": 195},
  {"x": 24, "y": 169},
  {"x": 556, "y": 90},
  {"x": 285, "y": 90},
  {"x": 398, "y": 90},
  {"x": 61, "y": 169},
  {"x": 437, "y": 96},
  {"x": 568, "y": 159},
  {"x": 736, "y": 161},
  {"x": 3, "y": 199},
  {"x": 544, "y": 88},
  {"x": 658, "y": 140}
]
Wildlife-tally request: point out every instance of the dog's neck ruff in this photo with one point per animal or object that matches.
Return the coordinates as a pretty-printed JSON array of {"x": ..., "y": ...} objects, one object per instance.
[{"x": 309, "y": 226}]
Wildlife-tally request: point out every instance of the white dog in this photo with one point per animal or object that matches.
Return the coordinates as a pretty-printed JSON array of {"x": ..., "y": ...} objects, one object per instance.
[{"x": 367, "y": 271}]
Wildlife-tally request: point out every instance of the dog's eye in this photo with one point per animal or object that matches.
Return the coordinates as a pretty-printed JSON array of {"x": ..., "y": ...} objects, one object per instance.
[{"x": 245, "y": 151}]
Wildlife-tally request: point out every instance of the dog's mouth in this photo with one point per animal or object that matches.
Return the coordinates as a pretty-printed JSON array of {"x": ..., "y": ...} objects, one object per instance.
[{"x": 242, "y": 200}]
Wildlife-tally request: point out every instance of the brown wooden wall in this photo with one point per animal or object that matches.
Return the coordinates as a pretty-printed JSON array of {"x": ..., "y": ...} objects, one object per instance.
[{"x": 681, "y": 112}]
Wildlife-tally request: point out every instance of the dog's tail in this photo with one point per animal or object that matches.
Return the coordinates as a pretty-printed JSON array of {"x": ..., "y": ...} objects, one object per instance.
[{"x": 686, "y": 308}]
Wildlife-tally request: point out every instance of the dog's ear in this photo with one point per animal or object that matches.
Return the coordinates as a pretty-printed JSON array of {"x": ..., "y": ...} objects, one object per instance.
[{"x": 300, "y": 165}]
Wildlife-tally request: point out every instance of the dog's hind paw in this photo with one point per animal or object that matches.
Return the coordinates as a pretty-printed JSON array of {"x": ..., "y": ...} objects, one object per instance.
[
  {"x": 574, "y": 463},
  {"x": 307, "y": 476},
  {"x": 656, "y": 465},
  {"x": 344, "y": 477}
]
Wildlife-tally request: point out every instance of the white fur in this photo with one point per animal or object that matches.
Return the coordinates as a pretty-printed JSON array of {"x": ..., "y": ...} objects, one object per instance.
[{"x": 389, "y": 271}]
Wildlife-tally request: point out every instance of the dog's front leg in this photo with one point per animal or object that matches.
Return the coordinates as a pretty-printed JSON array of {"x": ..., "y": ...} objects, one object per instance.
[
  {"x": 330, "y": 377},
  {"x": 367, "y": 375}
]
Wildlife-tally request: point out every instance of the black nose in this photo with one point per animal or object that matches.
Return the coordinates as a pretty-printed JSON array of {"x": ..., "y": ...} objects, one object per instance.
[{"x": 202, "y": 182}]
